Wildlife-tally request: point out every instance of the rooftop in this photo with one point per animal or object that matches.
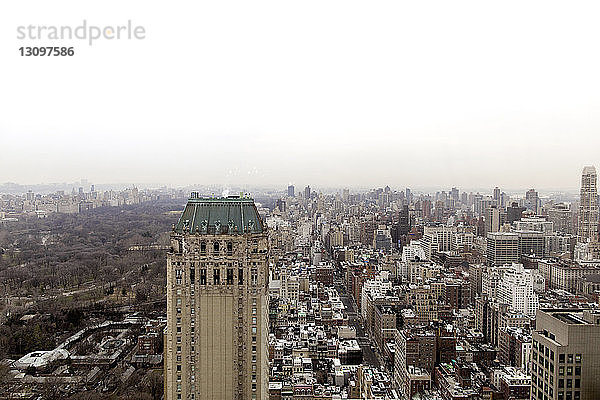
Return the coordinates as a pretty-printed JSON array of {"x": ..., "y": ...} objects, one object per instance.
[{"x": 232, "y": 215}]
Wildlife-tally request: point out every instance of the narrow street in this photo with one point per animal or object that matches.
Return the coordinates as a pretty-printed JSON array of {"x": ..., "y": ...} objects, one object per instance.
[{"x": 369, "y": 356}]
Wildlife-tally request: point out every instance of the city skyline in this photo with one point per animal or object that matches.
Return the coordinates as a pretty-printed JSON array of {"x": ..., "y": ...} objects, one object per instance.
[
  {"x": 314, "y": 200},
  {"x": 216, "y": 188}
]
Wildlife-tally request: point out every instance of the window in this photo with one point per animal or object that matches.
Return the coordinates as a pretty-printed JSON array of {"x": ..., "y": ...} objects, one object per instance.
[
  {"x": 569, "y": 370},
  {"x": 240, "y": 276},
  {"x": 229, "y": 248},
  {"x": 178, "y": 329},
  {"x": 569, "y": 383},
  {"x": 216, "y": 276},
  {"x": 561, "y": 370},
  {"x": 203, "y": 276},
  {"x": 561, "y": 383},
  {"x": 254, "y": 276},
  {"x": 578, "y": 370},
  {"x": 178, "y": 368},
  {"x": 203, "y": 247},
  {"x": 577, "y": 383},
  {"x": 192, "y": 275},
  {"x": 561, "y": 358},
  {"x": 230, "y": 276},
  {"x": 570, "y": 358},
  {"x": 577, "y": 358},
  {"x": 216, "y": 247}
]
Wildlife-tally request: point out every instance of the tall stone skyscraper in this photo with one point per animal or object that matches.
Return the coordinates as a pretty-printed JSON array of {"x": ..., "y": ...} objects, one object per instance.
[
  {"x": 588, "y": 206},
  {"x": 217, "y": 316}
]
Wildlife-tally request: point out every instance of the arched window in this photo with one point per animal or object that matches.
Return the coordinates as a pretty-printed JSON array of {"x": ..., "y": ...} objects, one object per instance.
[{"x": 216, "y": 247}]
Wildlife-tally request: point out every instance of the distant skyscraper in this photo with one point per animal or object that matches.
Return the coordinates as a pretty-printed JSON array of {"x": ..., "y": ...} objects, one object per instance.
[
  {"x": 455, "y": 194},
  {"x": 494, "y": 219},
  {"x": 497, "y": 195},
  {"x": 307, "y": 192},
  {"x": 346, "y": 195},
  {"x": 532, "y": 200},
  {"x": 561, "y": 216},
  {"x": 291, "y": 190},
  {"x": 588, "y": 206},
  {"x": 217, "y": 318}
]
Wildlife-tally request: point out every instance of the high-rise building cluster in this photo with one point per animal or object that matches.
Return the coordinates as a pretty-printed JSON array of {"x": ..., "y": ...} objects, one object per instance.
[{"x": 386, "y": 294}]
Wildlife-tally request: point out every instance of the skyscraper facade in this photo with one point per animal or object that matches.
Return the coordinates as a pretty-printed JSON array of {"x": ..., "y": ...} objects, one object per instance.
[
  {"x": 291, "y": 191},
  {"x": 588, "y": 206},
  {"x": 532, "y": 200},
  {"x": 566, "y": 355},
  {"x": 217, "y": 317}
]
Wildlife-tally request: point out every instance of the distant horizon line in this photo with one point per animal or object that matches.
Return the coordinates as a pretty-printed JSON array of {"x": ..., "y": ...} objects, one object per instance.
[{"x": 283, "y": 187}]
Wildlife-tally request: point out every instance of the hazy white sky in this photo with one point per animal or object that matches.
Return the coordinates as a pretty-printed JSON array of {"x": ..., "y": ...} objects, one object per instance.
[{"x": 428, "y": 93}]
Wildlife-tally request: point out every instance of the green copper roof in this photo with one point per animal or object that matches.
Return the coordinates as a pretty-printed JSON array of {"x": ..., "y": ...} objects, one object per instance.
[{"x": 232, "y": 215}]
